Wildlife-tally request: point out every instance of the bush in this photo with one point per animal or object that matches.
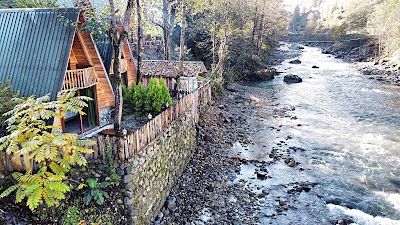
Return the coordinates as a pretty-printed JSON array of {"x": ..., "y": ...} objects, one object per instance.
[
  {"x": 139, "y": 99},
  {"x": 166, "y": 97},
  {"x": 8, "y": 99},
  {"x": 152, "y": 99},
  {"x": 157, "y": 96}
]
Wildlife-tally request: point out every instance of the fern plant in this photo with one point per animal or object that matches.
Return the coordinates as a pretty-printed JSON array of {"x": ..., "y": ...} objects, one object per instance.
[
  {"x": 53, "y": 152},
  {"x": 95, "y": 191}
]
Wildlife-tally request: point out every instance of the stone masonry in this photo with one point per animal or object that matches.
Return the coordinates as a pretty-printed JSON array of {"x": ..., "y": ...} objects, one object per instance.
[{"x": 154, "y": 172}]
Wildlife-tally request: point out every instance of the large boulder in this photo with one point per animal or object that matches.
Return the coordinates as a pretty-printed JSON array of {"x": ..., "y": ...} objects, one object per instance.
[
  {"x": 296, "y": 61},
  {"x": 296, "y": 47},
  {"x": 260, "y": 75},
  {"x": 291, "y": 78}
]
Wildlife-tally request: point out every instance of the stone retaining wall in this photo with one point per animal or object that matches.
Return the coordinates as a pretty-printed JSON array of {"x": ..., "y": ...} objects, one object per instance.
[{"x": 154, "y": 172}]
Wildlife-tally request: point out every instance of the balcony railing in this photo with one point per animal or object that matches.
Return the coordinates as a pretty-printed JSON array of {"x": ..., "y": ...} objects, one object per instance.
[
  {"x": 80, "y": 78},
  {"x": 123, "y": 66}
]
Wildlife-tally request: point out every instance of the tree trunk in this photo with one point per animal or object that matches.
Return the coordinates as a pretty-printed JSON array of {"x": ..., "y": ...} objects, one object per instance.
[
  {"x": 140, "y": 41},
  {"x": 169, "y": 17},
  {"x": 182, "y": 40},
  {"x": 260, "y": 34},
  {"x": 165, "y": 28},
  {"x": 255, "y": 24},
  {"x": 118, "y": 89},
  {"x": 171, "y": 27},
  {"x": 118, "y": 40}
]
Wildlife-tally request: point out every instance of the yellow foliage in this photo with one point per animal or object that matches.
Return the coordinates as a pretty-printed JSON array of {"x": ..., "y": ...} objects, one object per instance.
[{"x": 55, "y": 153}]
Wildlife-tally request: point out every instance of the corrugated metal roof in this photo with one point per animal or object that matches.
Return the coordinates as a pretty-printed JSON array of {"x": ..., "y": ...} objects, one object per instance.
[
  {"x": 34, "y": 49},
  {"x": 105, "y": 50}
]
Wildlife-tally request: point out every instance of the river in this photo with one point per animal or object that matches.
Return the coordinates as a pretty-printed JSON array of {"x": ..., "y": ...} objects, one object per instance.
[{"x": 349, "y": 127}]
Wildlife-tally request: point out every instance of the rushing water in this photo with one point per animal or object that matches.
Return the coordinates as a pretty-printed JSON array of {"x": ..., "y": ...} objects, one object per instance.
[{"x": 350, "y": 129}]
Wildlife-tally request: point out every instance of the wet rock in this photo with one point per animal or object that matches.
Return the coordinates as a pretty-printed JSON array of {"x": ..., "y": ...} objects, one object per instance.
[
  {"x": 262, "y": 175},
  {"x": 208, "y": 137},
  {"x": 296, "y": 61},
  {"x": 296, "y": 47},
  {"x": 291, "y": 78},
  {"x": 290, "y": 162},
  {"x": 346, "y": 221},
  {"x": 171, "y": 203}
]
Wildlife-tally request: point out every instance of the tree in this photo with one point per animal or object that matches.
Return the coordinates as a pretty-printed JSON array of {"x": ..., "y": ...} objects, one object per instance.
[
  {"x": 140, "y": 40},
  {"x": 53, "y": 152},
  {"x": 182, "y": 43},
  {"x": 118, "y": 39}
]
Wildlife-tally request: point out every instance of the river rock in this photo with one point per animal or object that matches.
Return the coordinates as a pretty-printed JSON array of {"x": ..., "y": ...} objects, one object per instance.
[
  {"x": 346, "y": 221},
  {"x": 171, "y": 204},
  {"x": 290, "y": 78},
  {"x": 260, "y": 75},
  {"x": 296, "y": 61},
  {"x": 208, "y": 137},
  {"x": 262, "y": 175},
  {"x": 290, "y": 162}
]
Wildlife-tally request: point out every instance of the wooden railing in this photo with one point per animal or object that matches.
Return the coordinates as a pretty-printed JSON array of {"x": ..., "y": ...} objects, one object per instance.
[
  {"x": 128, "y": 147},
  {"x": 123, "y": 66},
  {"x": 80, "y": 78}
]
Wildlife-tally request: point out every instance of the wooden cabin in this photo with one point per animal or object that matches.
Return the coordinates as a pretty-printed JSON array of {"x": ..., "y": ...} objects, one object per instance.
[
  {"x": 127, "y": 68},
  {"x": 168, "y": 70},
  {"x": 41, "y": 54}
]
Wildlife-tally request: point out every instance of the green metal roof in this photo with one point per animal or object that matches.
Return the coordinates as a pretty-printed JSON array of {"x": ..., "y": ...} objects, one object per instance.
[{"x": 34, "y": 49}]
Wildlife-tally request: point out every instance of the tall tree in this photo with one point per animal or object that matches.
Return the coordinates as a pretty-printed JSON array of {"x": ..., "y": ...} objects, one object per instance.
[
  {"x": 140, "y": 40},
  {"x": 118, "y": 39},
  {"x": 182, "y": 40}
]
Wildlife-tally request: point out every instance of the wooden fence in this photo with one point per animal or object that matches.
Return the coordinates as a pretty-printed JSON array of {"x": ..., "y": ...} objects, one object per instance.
[{"x": 125, "y": 148}]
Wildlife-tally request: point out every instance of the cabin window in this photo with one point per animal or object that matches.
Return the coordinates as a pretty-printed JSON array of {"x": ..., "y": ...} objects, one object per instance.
[{"x": 75, "y": 123}]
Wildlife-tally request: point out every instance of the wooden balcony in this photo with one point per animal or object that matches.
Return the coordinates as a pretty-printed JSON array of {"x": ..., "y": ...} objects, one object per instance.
[
  {"x": 123, "y": 66},
  {"x": 79, "y": 79}
]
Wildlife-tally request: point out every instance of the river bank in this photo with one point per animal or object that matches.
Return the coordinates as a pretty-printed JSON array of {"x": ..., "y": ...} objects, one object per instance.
[
  {"x": 365, "y": 60},
  {"x": 226, "y": 181}
]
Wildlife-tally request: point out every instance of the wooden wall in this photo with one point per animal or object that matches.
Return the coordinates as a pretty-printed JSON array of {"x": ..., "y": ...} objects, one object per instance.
[
  {"x": 105, "y": 95},
  {"x": 131, "y": 73}
]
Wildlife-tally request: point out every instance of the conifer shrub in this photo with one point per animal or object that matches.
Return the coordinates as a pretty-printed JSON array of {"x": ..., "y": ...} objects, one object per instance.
[
  {"x": 152, "y": 99},
  {"x": 139, "y": 99},
  {"x": 165, "y": 93}
]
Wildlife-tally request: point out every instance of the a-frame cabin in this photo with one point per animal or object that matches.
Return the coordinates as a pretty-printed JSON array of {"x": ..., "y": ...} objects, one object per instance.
[{"x": 42, "y": 53}]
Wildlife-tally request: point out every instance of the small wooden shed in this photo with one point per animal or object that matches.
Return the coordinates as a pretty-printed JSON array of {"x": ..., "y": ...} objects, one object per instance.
[
  {"x": 41, "y": 53},
  {"x": 168, "y": 70}
]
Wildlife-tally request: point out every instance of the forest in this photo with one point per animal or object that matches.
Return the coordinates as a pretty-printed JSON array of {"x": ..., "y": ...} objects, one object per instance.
[{"x": 340, "y": 19}]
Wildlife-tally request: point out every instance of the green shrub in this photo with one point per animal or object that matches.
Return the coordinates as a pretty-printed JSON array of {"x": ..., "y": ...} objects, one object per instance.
[
  {"x": 71, "y": 216},
  {"x": 95, "y": 191},
  {"x": 8, "y": 99},
  {"x": 165, "y": 93},
  {"x": 152, "y": 99},
  {"x": 139, "y": 99}
]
